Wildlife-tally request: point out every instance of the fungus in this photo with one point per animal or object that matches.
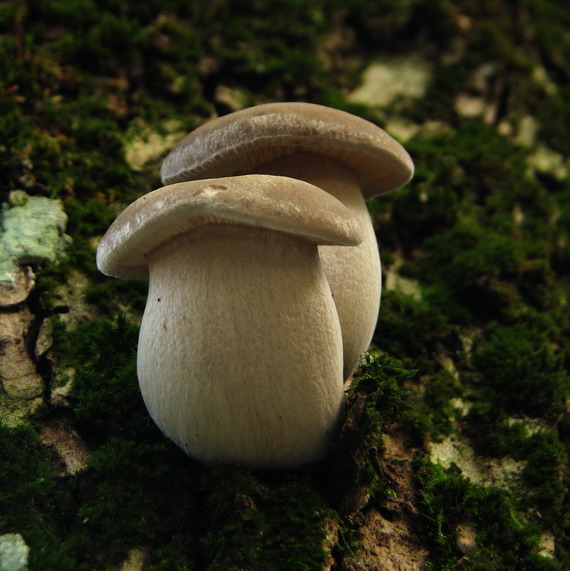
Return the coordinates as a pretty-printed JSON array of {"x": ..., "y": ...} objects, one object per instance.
[
  {"x": 349, "y": 157},
  {"x": 240, "y": 351}
]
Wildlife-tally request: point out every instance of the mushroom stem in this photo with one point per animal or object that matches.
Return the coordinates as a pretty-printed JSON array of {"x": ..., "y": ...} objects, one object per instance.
[
  {"x": 354, "y": 274},
  {"x": 254, "y": 371}
]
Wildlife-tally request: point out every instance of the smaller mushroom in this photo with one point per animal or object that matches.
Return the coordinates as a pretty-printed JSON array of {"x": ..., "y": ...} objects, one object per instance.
[{"x": 240, "y": 350}]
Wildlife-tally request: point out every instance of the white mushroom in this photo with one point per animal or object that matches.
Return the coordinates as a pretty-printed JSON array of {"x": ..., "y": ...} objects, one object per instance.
[
  {"x": 240, "y": 350},
  {"x": 345, "y": 155}
]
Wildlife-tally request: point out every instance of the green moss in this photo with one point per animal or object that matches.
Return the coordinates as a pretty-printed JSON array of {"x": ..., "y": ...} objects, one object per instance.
[
  {"x": 470, "y": 253},
  {"x": 279, "y": 524},
  {"x": 148, "y": 490},
  {"x": 382, "y": 379},
  {"x": 504, "y": 540},
  {"x": 524, "y": 373},
  {"x": 86, "y": 220},
  {"x": 108, "y": 402},
  {"x": 433, "y": 414},
  {"x": 544, "y": 477},
  {"x": 469, "y": 184},
  {"x": 408, "y": 327},
  {"x": 31, "y": 502},
  {"x": 377, "y": 397},
  {"x": 110, "y": 296}
]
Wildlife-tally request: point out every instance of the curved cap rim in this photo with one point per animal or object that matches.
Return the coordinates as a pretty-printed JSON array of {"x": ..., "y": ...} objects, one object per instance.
[
  {"x": 241, "y": 141},
  {"x": 275, "y": 203}
]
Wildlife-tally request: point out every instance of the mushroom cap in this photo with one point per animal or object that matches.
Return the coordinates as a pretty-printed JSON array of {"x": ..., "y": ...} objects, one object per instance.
[
  {"x": 239, "y": 142},
  {"x": 264, "y": 201}
]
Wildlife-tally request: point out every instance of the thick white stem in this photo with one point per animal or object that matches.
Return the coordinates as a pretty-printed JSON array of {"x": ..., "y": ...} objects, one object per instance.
[
  {"x": 240, "y": 351},
  {"x": 354, "y": 273}
]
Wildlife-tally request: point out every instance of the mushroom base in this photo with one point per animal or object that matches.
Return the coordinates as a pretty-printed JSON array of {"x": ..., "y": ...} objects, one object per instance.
[{"x": 240, "y": 351}]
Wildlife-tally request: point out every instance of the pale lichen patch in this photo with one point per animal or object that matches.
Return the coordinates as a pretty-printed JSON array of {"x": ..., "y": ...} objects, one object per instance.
[
  {"x": 33, "y": 232},
  {"x": 481, "y": 470},
  {"x": 466, "y": 538},
  {"x": 395, "y": 281},
  {"x": 546, "y": 161},
  {"x": 460, "y": 406},
  {"x": 385, "y": 81},
  {"x": 526, "y": 131},
  {"x": 13, "y": 552},
  {"x": 235, "y": 98},
  {"x": 136, "y": 560},
  {"x": 71, "y": 294},
  {"x": 72, "y": 451},
  {"x": 468, "y": 105},
  {"x": 547, "y": 543},
  {"x": 145, "y": 145}
]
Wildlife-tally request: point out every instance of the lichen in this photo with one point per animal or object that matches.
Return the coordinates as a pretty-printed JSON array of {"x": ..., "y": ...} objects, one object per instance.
[{"x": 33, "y": 232}]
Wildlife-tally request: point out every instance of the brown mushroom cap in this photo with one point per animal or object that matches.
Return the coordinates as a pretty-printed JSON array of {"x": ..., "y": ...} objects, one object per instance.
[
  {"x": 239, "y": 142},
  {"x": 273, "y": 202}
]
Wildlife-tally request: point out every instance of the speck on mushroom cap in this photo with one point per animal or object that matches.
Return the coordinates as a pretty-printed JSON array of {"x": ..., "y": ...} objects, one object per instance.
[
  {"x": 239, "y": 142},
  {"x": 273, "y": 202}
]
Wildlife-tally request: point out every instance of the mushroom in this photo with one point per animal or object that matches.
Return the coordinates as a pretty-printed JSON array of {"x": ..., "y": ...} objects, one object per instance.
[
  {"x": 240, "y": 351},
  {"x": 349, "y": 157}
]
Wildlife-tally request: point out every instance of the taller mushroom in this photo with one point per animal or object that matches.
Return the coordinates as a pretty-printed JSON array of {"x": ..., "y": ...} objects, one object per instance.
[
  {"x": 240, "y": 350},
  {"x": 350, "y": 158}
]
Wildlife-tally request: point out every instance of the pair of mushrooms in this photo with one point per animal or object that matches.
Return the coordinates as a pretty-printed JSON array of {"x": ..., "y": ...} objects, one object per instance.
[{"x": 264, "y": 279}]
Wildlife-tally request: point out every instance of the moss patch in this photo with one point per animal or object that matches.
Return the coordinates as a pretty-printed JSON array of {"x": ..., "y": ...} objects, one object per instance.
[{"x": 504, "y": 540}]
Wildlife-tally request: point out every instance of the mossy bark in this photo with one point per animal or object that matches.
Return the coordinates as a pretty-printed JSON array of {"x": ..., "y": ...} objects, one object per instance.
[{"x": 483, "y": 229}]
